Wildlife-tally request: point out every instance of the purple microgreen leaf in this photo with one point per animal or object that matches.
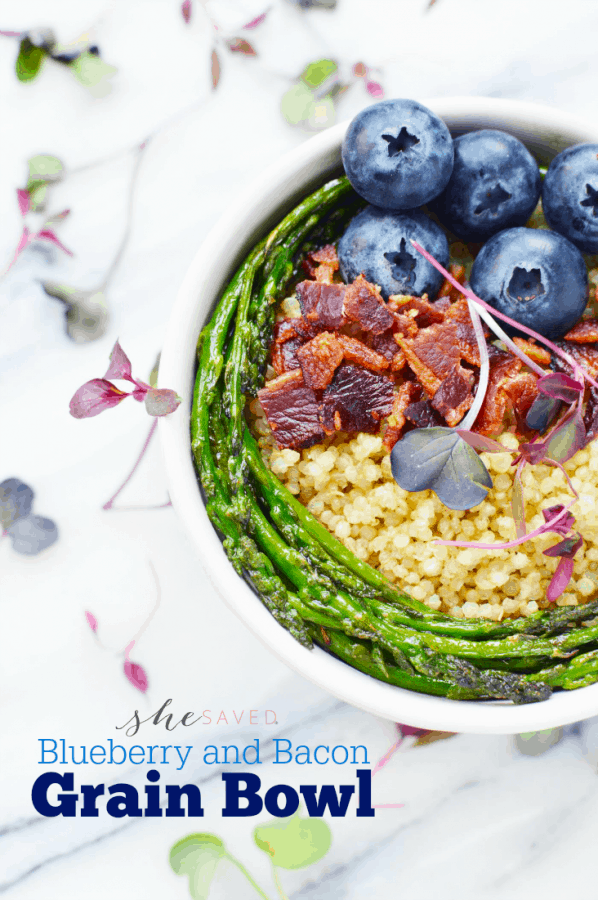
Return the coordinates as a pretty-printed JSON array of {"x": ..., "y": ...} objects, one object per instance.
[
  {"x": 94, "y": 397},
  {"x": 480, "y": 442},
  {"x": 439, "y": 459},
  {"x": 16, "y": 501},
  {"x": 560, "y": 579},
  {"x": 161, "y": 401},
  {"x": 542, "y": 413},
  {"x": 568, "y": 547},
  {"x": 136, "y": 675},
  {"x": 23, "y": 241},
  {"x": 24, "y": 201},
  {"x": 58, "y": 217},
  {"x": 140, "y": 392},
  {"x": 120, "y": 364},
  {"x": 374, "y": 89},
  {"x": 186, "y": 10},
  {"x": 240, "y": 45},
  {"x": 556, "y": 521},
  {"x": 518, "y": 503},
  {"x": 47, "y": 234},
  {"x": 560, "y": 387},
  {"x": 360, "y": 70},
  {"x": 410, "y": 730},
  {"x": 257, "y": 21},
  {"x": 91, "y": 621},
  {"x": 532, "y": 452},
  {"x": 32, "y": 534},
  {"x": 566, "y": 439},
  {"x": 215, "y": 68}
]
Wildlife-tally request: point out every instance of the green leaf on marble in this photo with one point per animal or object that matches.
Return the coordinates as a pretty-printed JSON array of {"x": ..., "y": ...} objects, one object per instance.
[
  {"x": 294, "y": 842},
  {"x": 44, "y": 168},
  {"x": 197, "y": 856},
  {"x": 93, "y": 73},
  {"x": 29, "y": 61},
  {"x": 296, "y": 103},
  {"x": 316, "y": 73}
]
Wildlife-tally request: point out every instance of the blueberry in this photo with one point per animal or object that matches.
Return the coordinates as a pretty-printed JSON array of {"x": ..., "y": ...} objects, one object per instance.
[
  {"x": 570, "y": 196},
  {"x": 398, "y": 154},
  {"x": 495, "y": 184},
  {"x": 31, "y": 534},
  {"x": 377, "y": 244},
  {"x": 16, "y": 500},
  {"x": 534, "y": 276}
]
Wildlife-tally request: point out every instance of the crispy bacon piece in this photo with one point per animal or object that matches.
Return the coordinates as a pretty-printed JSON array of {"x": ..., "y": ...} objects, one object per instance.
[
  {"x": 503, "y": 368},
  {"x": 384, "y": 344},
  {"x": 458, "y": 314},
  {"x": 356, "y": 400},
  {"x": 399, "y": 361},
  {"x": 437, "y": 351},
  {"x": 522, "y": 390},
  {"x": 292, "y": 411},
  {"x": 453, "y": 398},
  {"x": 585, "y": 332},
  {"x": 405, "y": 324},
  {"x": 423, "y": 415},
  {"x": 535, "y": 352},
  {"x": 422, "y": 310},
  {"x": 322, "y": 303},
  {"x": 586, "y": 355},
  {"x": 364, "y": 305},
  {"x": 356, "y": 352},
  {"x": 284, "y": 356},
  {"x": 396, "y": 421},
  {"x": 319, "y": 359},
  {"x": 447, "y": 289}
]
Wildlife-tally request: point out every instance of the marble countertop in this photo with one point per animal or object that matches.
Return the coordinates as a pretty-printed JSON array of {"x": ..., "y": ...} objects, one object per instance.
[{"x": 154, "y": 161}]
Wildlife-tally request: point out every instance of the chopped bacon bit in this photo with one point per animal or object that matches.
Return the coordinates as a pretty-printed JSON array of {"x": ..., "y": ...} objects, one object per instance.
[
  {"x": 423, "y": 415},
  {"x": 319, "y": 359},
  {"x": 364, "y": 304},
  {"x": 437, "y": 351},
  {"x": 384, "y": 344},
  {"x": 322, "y": 303},
  {"x": 284, "y": 330},
  {"x": 586, "y": 355},
  {"x": 419, "y": 307},
  {"x": 327, "y": 264},
  {"x": 292, "y": 411},
  {"x": 396, "y": 420},
  {"x": 399, "y": 361},
  {"x": 503, "y": 368},
  {"x": 590, "y": 419},
  {"x": 535, "y": 352},
  {"x": 284, "y": 355},
  {"x": 356, "y": 352},
  {"x": 405, "y": 325},
  {"x": 458, "y": 313},
  {"x": 443, "y": 304},
  {"x": 356, "y": 400},
  {"x": 522, "y": 390},
  {"x": 448, "y": 289},
  {"x": 453, "y": 398},
  {"x": 585, "y": 332}
]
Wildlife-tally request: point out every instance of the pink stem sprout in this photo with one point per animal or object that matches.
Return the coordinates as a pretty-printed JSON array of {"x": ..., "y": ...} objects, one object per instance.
[
  {"x": 110, "y": 503},
  {"x": 514, "y": 543}
]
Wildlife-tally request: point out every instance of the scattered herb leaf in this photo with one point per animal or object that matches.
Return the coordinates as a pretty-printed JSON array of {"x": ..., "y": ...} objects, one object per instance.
[
  {"x": 197, "y": 856},
  {"x": 29, "y": 61},
  {"x": 86, "y": 313},
  {"x": 294, "y": 842},
  {"x": 29, "y": 533}
]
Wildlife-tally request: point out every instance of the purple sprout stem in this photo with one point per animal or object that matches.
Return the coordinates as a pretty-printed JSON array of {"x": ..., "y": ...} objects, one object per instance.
[
  {"x": 515, "y": 543},
  {"x": 110, "y": 503},
  {"x": 467, "y": 292},
  {"x": 149, "y": 617}
]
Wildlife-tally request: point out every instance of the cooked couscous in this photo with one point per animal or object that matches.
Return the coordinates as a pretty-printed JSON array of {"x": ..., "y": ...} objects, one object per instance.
[{"x": 347, "y": 484}]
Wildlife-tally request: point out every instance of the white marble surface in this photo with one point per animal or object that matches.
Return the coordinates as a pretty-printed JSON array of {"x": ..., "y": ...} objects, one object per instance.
[{"x": 480, "y": 820}]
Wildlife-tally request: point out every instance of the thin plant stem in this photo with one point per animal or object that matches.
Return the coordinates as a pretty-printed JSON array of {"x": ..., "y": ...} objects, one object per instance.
[
  {"x": 110, "y": 503},
  {"x": 244, "y": 872},
  {"x": 149, "y": 618},
  {"x": 278, "y": 883}
]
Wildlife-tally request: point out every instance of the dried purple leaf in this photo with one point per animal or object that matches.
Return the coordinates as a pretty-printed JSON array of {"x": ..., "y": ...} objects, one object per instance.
[
  {"x": 47, "y": 234},
  {"x": 374, "y": 89},
  {"x": 136, "y": 675},
  {"x": 560, "y": 387},
  {"x": 240, "y": 45},
  {"x": 560, "y": 579},
  {"x": 186, "y": 10},
  {"x": 91, "y": 621},
  {"x": 567, "y": 548},
  {"x": 24, "y": 200},
  {"x": 563, "y": 525}
]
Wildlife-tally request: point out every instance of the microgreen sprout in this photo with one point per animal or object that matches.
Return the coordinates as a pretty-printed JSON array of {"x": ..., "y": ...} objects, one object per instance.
[{"x": 100, "y": 394}]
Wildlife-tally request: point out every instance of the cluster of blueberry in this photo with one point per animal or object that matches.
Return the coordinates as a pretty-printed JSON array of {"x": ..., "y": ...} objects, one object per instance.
[{"x": 482, "y": 187}]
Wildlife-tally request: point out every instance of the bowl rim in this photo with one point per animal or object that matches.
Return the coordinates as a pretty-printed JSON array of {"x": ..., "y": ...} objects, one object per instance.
[{"x": 265, "y": 200}]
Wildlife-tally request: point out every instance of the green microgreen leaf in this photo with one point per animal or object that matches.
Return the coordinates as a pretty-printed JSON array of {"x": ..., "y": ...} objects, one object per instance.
[
  {"x": 567, "y": 439},
  {"x": 197, "y": 856},
  {"x": 438, "y": 459},
  {"x": 296, "y": 103},
  {"x": 316, "y": 73},
  {"x": 93, "y": 73},
  {"x": 294, "y": 842},
  {"x": 44, "y": 168},
  {"x": 29, "y": 61}
]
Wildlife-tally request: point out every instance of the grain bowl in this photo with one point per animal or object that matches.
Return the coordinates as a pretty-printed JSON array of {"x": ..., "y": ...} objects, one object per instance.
[{"x": 545, "y": 132}]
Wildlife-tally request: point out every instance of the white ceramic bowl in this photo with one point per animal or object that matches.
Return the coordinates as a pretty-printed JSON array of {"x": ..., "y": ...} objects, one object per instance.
[{"x": 545, "y": 131}]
